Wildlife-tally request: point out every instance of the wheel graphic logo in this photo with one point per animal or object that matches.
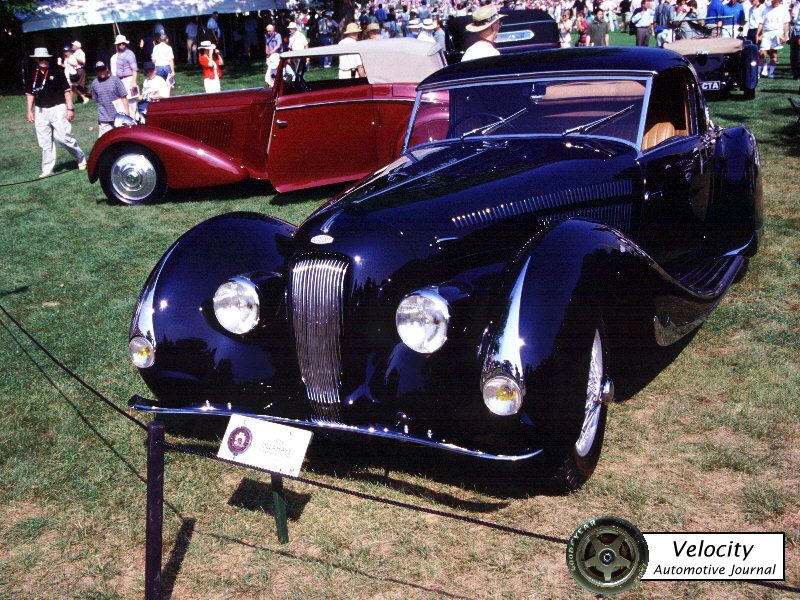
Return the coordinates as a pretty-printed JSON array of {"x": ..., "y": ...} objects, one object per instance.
[
  {"x": 239, "y": 440},
  {"x": 607, "y": 555}
]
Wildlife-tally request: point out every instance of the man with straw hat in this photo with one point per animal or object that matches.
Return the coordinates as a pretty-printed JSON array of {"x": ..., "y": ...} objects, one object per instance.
[
  {"x": 49, "y": 99},
  {"x": 123, "y": 65},
  {"x": 486, "y": 23},
  {"x": 350, "y": 65},
  {"x": 426, "y": 34}
]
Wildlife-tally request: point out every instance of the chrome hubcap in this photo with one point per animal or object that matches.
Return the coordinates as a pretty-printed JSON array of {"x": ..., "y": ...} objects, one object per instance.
[
  {"x": 595, "y": 397},
  {"x": 133, "y": 177}
]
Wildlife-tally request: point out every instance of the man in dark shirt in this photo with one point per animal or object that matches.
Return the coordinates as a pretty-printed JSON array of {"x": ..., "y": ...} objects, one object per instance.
[
  {"x": 108, "y": 89},
  {"x": 598, "y": 29},
  {"x": 49, "y": 99}
]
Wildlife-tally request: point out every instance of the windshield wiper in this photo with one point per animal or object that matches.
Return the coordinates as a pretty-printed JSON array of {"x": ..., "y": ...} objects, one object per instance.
[
  {"x": 484, "y": 129},
  {"x": 587, "y": 127}
]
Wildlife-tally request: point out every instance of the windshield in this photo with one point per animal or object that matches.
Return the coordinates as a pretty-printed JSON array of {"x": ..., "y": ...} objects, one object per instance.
[{"x": 600, "y": 106}]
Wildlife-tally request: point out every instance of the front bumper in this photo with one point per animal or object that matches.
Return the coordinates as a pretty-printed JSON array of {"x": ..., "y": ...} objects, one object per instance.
[{"x": 430, "y": 440}]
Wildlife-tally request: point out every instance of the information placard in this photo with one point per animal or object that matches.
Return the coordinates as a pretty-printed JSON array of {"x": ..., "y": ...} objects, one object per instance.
[{"x": 272, "y": 446}]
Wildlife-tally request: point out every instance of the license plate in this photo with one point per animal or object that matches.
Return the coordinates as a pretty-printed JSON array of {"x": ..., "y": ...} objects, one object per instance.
[{"x": 711, "y": 86}]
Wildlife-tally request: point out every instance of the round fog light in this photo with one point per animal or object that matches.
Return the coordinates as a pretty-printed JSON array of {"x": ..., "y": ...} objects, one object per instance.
[
  {"x": 142, "y": 352},
  {"x": 502, "y": 395}
]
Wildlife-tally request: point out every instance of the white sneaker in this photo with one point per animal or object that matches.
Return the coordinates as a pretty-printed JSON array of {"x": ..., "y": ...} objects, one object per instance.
[
  {"x": 44, "y": 174},
  {"x": 85, "y": 100},
  {"x": 82, "y": 165}
]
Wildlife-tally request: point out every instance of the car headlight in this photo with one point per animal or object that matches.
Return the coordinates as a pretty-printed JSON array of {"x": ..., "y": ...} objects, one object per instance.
[
  {"x": 502, "y": 395},
  {"x": 421, "y": 320},
  {"x": 142, "y": 352},
  {"x": 236, "y": 305}
]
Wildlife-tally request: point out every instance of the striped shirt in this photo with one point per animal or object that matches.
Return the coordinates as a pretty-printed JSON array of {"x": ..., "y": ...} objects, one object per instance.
[{"x": 105, "y": 92}]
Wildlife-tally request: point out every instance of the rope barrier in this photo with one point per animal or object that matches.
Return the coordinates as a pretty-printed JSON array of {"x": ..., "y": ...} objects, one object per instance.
[
  {"x": 2, "y": 185},
  {"x": 320, "y": 484},
  {"x": 70, "y": 372}
]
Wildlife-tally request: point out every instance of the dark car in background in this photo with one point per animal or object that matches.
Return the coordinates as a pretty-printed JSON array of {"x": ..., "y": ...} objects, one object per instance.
[
  {"x": 520, "y": 30},
  {"x": 722, "y": 63},
  {"x": 552, "y": 214}
]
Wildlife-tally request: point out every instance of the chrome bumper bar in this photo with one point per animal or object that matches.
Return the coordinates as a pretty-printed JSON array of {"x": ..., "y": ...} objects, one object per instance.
[{"x": 143, "y": 404}]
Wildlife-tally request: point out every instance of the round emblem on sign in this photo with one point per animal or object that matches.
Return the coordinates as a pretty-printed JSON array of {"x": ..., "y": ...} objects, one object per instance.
[
  {"x": 239, "y": 440},
  {"x": 607, "y": 555},
  {"x": 321, "y": 239}
]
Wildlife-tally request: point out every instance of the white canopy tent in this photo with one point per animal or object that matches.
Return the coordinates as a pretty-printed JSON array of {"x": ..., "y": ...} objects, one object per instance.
[{"x": 65, "y": 14}]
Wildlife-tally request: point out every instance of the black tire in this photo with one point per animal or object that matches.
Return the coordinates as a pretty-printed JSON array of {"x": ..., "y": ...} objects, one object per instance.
[
  {"x": 607, "y": 555},
  {"x": 749, "y": 94},
  {"x": 133, "y": 175},
  {"x": 566, "y": 466}
]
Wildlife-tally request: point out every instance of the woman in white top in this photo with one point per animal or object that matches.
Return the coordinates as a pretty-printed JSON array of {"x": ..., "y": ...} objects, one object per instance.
[
  {"x": 486, "y": 23},
  {"x": 774, "y": 33},
  {"x": 565, "y": 29}
]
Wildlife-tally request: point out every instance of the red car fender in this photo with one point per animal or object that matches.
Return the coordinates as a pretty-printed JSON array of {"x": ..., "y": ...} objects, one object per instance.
[{"x": 187, "y": 162}]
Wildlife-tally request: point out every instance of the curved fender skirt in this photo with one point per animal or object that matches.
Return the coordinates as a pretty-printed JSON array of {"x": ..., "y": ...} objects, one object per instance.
[{"x": 143, "y": 404}]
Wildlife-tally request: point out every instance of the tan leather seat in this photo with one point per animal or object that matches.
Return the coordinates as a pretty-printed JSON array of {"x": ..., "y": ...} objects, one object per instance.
[{"x": 657, "y": 133}]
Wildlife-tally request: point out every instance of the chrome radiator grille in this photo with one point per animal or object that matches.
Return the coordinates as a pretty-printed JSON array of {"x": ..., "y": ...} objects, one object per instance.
[{"x": 317, "y": 310}]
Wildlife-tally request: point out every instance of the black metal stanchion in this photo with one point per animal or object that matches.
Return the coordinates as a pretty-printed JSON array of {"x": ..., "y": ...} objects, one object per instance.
[
  {"x": 279, "y": 507},
  {"x": 155, "y": 511}
]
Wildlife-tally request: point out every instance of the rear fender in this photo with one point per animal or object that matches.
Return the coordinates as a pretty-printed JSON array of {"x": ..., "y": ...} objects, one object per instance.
[
  {"x": 749, "y": 66},
  {"x": 187, "y": 162}
]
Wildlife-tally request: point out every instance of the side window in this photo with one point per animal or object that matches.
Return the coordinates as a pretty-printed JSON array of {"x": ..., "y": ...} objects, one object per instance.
[
  {"x": 670, "y": 113},
  {"x": 322, "y": 73}
]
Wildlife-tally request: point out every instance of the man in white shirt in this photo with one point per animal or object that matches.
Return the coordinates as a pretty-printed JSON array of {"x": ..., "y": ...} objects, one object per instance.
[
  {"x": 297, "y": 40},
  {"x": 643, "y": 21},
  {"x": 755, "y": 17},
  {"x": 426, "y": 34},
  {"x": 154, "y": 86},
  {"x": 164, "y": 60},
  {"x": 350, "y": 65},
  {"x": 486, "y": 23},
  {"x": 774, "y": 32}
]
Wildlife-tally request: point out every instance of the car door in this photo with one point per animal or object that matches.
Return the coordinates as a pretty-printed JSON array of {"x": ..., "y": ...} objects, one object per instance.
[
  {"x": 678, "y": 177},
  {"x": 322, "y": 134}
]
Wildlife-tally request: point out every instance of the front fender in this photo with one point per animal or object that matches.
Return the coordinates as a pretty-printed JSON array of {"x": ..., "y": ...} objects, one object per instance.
[
  {"x": 187, "y": 162},
  {"x": 559, "y": 288},
  {"x": 196, "y": 360},
  {"x": 750, "y": 66}
]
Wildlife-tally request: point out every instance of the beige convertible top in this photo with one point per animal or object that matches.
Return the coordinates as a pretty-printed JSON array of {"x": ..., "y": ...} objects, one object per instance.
[
  {"x": 691, "y": 46},
  {"x": 396, "y": 60}
]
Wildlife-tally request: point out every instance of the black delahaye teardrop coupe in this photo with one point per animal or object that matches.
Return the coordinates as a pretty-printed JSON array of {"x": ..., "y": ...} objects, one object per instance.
[{"x": 551, "y": 211}]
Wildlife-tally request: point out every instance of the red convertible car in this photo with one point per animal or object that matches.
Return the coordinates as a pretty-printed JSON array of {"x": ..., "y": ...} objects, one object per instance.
[{"x": 312, "y": 128}]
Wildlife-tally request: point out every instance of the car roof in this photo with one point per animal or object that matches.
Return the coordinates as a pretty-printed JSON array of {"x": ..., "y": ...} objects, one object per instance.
[
  {"x": 592, "y": 59},
  {"x": 395, "y": 60}
]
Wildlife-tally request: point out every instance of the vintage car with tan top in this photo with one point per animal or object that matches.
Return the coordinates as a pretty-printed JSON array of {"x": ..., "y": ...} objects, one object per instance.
[{"x": 310, "y": 129}]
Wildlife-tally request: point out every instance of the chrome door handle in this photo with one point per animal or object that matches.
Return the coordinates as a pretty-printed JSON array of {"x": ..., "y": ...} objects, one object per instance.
[{"x": 282, "y": 124}]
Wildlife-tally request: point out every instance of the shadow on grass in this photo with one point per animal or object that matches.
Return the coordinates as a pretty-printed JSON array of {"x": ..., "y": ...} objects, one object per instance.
[
  {"x": 171, "y": 569},
  {"x": 257, "y": 496}
]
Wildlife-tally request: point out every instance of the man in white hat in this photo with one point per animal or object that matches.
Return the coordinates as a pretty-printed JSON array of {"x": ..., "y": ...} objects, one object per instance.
[
  {"x": 350, "y": 65},
  {"x": 297, "y": 39},
  {"x": 413, "y": 27},
  {"x": 49, "y": 99},
  {"x": 123, "y": 65},
  {"x": 486, "y": 23},
  {"x": 426, "y": 34}
]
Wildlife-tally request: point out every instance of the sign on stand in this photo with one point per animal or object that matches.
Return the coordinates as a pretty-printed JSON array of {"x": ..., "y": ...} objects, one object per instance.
[{"x": 264, "y": 445}]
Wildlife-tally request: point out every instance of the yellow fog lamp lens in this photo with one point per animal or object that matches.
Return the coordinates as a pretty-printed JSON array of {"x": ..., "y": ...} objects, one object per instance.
[
  {"x": 143, "y": 354},
  {"x": 502, "y": 395}
]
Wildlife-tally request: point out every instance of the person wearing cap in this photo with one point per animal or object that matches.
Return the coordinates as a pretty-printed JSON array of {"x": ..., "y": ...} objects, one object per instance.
[
  {"x": 350, "y": 65},
  {"x": 111, "y": 96},
  {"x": 426, "y": 34},
  {"x": 297, "y": 39},
  {"x": 373, "y": 32},
  {"x": 79, "y": 58},
  {"x": 211, "y": 62},
  {"x": 49, "y": 102},
  {"x": 326, "y": 29},
  {"x": 154, "y": 87},
  {"x": 486, "y": 23},
  {"x": 123, "y": 65},
  {"x": 413, "y": 28},
  {"x": 164, "y": 60}
]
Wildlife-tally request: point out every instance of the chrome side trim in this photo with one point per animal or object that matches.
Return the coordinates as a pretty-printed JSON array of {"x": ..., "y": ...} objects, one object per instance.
[
  {"x": 332, "y": 102},
  {"x": 317, "y": 292},
  {"x": 139, "y": 403}
]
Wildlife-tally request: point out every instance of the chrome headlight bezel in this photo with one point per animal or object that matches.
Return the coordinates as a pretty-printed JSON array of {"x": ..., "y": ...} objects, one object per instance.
[
  {"x": 422, "y": 319},
  {"x": 142, "y": 352},
  {"x": 237, "y": 295},
  {"x": 502, "y": 395}
]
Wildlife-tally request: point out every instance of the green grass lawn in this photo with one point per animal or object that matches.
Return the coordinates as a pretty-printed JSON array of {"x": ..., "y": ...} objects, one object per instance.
[{"x": 710, "y": 444}]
